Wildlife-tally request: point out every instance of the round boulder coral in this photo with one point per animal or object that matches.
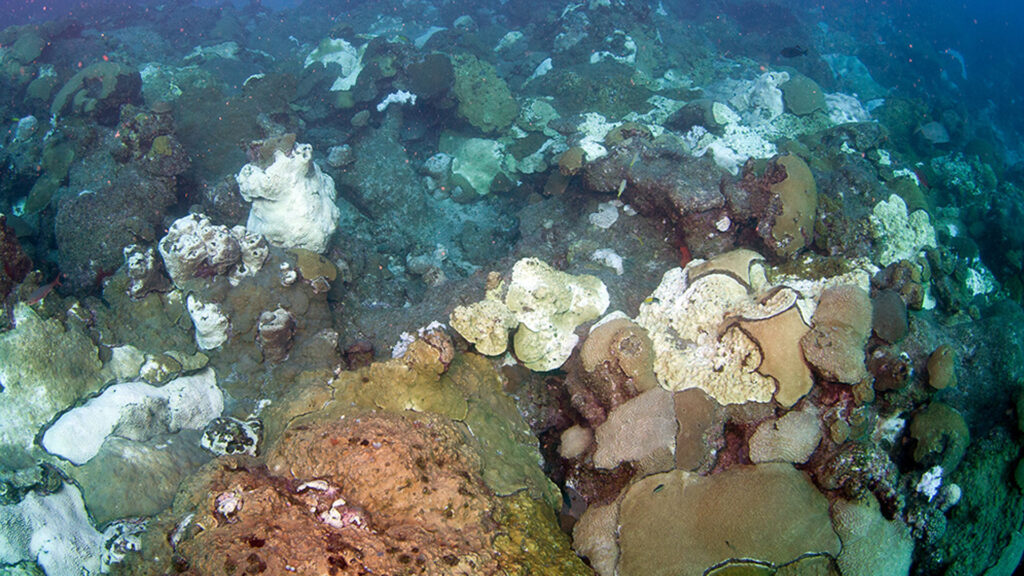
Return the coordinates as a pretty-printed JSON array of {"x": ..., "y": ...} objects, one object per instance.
[{"x": 842, "y": 325}]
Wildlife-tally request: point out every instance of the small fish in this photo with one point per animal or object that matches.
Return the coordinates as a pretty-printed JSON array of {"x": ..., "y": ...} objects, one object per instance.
[
  {"x": 794, "y": 51},
  {"x": 934, "y": 133},
  {"x": 43, "y": 291}
]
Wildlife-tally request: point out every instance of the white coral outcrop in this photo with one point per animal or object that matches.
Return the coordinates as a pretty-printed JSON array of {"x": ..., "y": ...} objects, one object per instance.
[
  {"x": 135, "y": 411},
  {"x": 292, "y": 200}
]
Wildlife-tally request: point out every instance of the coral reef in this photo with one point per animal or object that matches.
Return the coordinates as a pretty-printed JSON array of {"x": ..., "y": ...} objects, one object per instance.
[
  {"x": 544, "y": 304},
  {"x": 135, "y": 411},
  {"x": 762, "y": 277},
  {"x": 45, "y": 366},
  {"x": 292, "y": 200}
]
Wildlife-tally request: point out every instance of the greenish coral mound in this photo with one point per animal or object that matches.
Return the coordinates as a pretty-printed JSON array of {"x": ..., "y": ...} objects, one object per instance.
[
  {"x": 485, "y": 100},
  {"x": 802, "y": 95},
  {"x": 44, "y": 368},
  {"x": 508, "y": 450},
  {"x": 476, "y": 162},
  {"x": 56, "y": 162},
  {"x": 98, "y": 90}
]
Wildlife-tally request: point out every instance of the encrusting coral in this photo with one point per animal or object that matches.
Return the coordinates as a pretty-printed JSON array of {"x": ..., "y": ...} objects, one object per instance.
[
  {"x": 797, "y": 198},
  {"x": 842, "y": 325},
  {"x": 680, "y": 523}
]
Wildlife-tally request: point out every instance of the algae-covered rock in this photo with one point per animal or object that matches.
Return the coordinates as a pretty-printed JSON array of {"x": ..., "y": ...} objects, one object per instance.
[
  {"x": 528, "y": 545},
  {"x": 55, "y": 164},
  {"x": 485, "y": 100},
  {"x": 467, "y": 390},
  {"x": 374, "y": 491},
  {"x": 17, "y": 264},
  {"x": 44, "y": 368}
]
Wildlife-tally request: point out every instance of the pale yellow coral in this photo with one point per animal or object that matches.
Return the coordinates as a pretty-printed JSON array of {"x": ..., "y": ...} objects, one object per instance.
[
  {"x": 545, "y": 303},
  {"x": 722, "y": 326},
  {"x": 486, "y": 324}
]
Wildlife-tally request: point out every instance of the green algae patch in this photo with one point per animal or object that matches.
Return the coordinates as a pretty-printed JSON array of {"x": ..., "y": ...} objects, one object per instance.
[{"x": 530, "y": 542}]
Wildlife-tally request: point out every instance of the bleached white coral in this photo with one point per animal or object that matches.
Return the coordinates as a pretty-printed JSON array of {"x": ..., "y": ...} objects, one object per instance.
[
  {"x": 292, "y": 200},
  {"x": 210, "y": 323},
  {"x": 398, "y": 97},
  {"x": 52, "y": 530},
  {"x": 135, "y": 411},
  {"x": 845, "y": 109},
  {"x": 900, "y": 236},
  {"x": 930, "y": 482},
  {"x": 194, "y": 245},
  {"x": 340, "y": 52}
]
